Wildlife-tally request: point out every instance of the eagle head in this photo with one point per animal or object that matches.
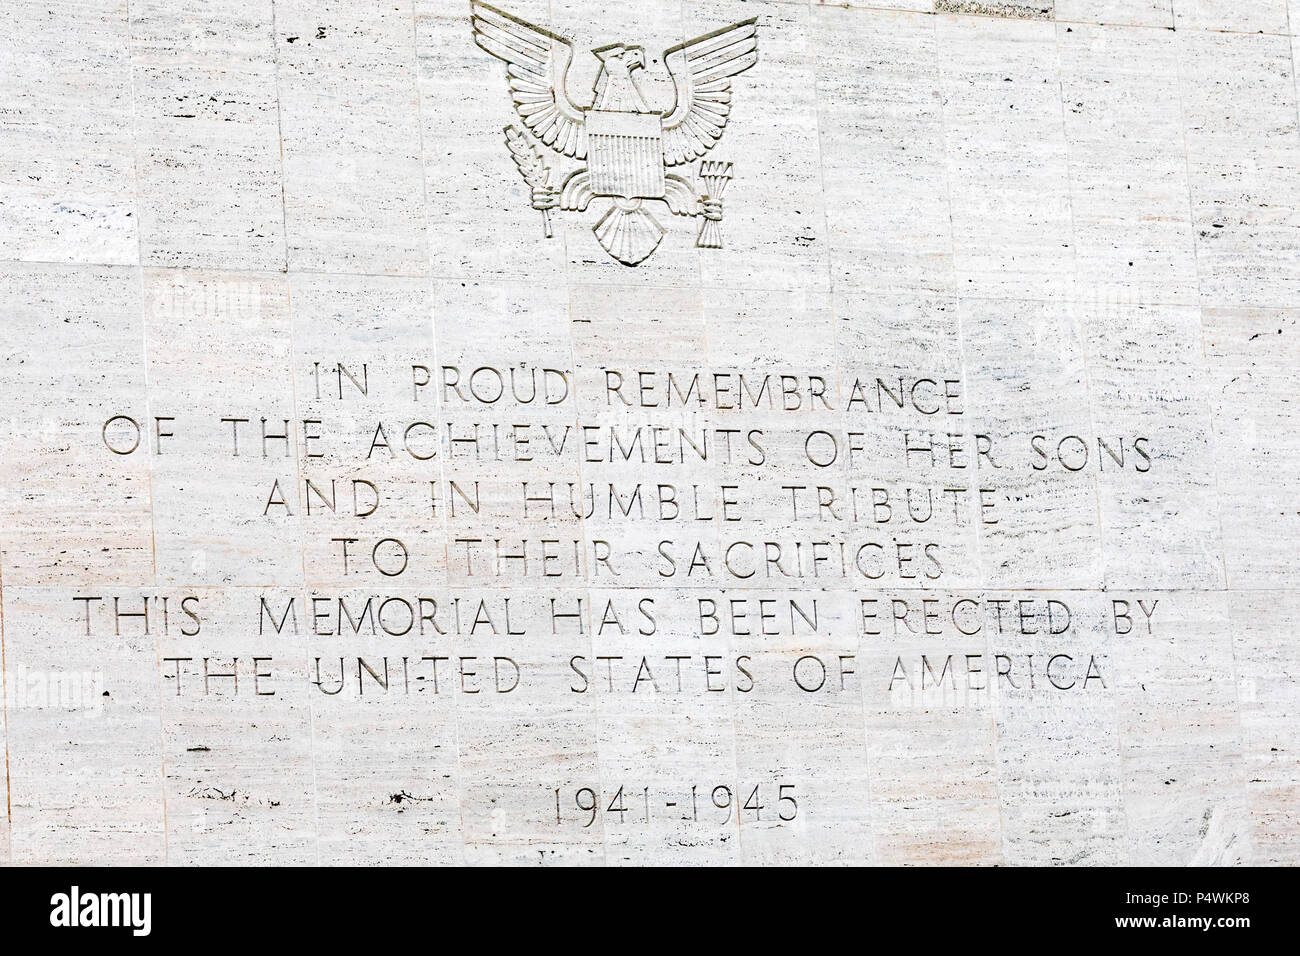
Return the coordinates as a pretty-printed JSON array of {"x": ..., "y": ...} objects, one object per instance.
[
  {"x": 616, "y": 84},
  {"x": 617, "y": 55}
]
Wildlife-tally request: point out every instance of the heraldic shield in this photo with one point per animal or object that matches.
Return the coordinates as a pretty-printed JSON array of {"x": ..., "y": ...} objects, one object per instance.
[{"x": 625, "y": 158}]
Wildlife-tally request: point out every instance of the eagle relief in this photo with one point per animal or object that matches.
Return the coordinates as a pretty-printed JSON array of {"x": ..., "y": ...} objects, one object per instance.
[{"x": 633, "y": 152}]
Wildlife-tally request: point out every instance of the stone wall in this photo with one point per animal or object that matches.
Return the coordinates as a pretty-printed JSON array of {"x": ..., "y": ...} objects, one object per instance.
[{"x": 904, "y": 470}]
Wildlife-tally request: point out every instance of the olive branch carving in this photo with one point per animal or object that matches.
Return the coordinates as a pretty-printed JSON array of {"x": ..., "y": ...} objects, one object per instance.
[{"x": 532, "y": 166}]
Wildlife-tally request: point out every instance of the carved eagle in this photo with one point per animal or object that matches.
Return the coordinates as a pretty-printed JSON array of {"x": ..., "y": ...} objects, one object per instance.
[
  {"x": 539, "y": 64},
  {"x": 629, "y": 145}
]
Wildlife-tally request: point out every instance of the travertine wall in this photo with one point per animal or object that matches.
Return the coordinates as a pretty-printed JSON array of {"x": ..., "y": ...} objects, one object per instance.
[{"x": 991, "y": 558}]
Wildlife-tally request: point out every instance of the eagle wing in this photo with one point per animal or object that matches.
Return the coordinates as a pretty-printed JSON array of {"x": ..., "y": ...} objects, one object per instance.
[
  {"x": 538, "y": 61},
  {"x": 702, "y": 70}
]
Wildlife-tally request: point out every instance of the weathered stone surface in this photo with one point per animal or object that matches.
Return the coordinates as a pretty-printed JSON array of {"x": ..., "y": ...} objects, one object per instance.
[{"x": 389, "y": 475}]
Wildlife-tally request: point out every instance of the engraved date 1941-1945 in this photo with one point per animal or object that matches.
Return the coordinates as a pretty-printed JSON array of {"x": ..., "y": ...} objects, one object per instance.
[{"x": 773, "y": 803}]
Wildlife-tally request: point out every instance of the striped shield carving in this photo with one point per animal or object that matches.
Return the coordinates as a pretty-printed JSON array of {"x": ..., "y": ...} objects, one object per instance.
[{"x": 625, "y": 154}]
